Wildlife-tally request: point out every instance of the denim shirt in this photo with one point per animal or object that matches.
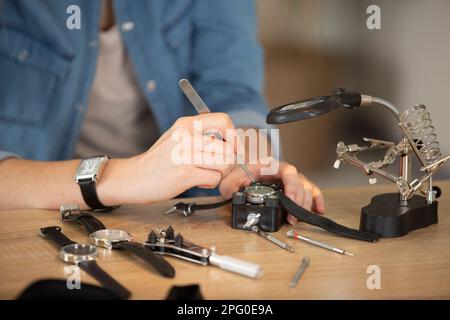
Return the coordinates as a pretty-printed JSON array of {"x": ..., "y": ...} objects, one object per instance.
[{"x": 47, "y": 69}]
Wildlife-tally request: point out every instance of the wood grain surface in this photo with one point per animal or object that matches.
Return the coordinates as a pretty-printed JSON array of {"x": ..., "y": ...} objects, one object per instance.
[{"x": 413, "y": 266}]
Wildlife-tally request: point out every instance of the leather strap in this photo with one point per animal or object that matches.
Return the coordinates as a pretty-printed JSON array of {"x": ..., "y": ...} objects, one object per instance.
[
  {"x": 89, "y": 193},
  {"x": 90, "y": 222},
  {"x": 325, "y": 223},
  {"x": 54, "y": 234},
  {"x": 158, "y": 262},
  {"x": 94, "y": 270}
]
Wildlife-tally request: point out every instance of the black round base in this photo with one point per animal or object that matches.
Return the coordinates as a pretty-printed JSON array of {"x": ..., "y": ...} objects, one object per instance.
[{"x": 388, "y": 218}]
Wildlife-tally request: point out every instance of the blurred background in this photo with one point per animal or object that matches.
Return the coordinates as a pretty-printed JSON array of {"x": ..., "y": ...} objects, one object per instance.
[{"x": 314, "y": 46}]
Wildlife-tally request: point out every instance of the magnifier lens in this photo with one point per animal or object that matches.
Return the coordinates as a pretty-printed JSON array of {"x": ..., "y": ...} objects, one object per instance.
[{"x": 303, "y": 105}]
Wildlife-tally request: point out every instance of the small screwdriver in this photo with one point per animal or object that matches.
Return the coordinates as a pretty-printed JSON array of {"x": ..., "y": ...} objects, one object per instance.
[
  {"x": 298, "y": 274},
  {"x": 295, "y": 235},
  {"x": 272, "y": 239}
]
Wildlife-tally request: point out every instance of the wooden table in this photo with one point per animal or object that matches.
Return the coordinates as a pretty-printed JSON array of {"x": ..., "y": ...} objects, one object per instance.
[{"x": 414, "y": 266}]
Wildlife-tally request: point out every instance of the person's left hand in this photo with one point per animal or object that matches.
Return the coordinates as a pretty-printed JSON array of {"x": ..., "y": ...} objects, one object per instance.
[{"x": 296, "y": 186}]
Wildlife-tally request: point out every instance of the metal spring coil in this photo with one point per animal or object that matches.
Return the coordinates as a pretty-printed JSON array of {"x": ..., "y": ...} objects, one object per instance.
[{"x": 419, "y": 126}]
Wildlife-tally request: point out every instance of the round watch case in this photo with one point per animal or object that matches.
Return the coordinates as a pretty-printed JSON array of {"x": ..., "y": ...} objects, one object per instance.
[
  {"x": 257, "y": 193},
  {"x": 106, "y": 238},
  {"x": 76, "y": 253}
]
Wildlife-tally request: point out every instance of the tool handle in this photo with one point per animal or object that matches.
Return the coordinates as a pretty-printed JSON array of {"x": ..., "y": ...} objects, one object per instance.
[{"x": 244, "y": 268}]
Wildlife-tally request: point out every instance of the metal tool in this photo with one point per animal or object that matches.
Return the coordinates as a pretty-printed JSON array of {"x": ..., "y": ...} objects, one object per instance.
[
  {"x": 294, "y": 235},
  {"x": 387, "y": 215},
  {"x": 272, "y": 239},
  {"x": 165, "y": 242},
  {"x": 201, "y": 107},
  {"x": 300, "y": 271}
]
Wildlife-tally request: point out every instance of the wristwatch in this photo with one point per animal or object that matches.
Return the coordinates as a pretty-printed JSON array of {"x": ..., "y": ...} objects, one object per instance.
[
  {"x": 100, "y": 236},
  {"x": 87, "y": 175},
  {"x": 84, "y": 256}
]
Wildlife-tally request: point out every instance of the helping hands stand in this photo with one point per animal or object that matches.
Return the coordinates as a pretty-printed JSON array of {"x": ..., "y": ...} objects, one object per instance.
[{"x": 389, "y": 215}]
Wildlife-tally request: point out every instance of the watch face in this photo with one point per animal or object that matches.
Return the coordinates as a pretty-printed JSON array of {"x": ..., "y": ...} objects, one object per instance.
[
  {"x": 89, "y": 167},
  {"x": 107, "y": 237},
  {"x": 257, "y": 193},
  {"x": 75, "y": 253}
]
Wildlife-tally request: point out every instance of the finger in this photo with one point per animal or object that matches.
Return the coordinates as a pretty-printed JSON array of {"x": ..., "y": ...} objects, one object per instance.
[
  {"x": 233, "y": 181},
  {"x": 291, "y": 184},
  {"x": 319, "y": 202},
  {"x": 307, "y": 199},
  {"x": 206, "y": 179}
]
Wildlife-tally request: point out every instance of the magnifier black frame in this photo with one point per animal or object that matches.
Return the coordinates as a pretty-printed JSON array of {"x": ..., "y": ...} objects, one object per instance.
[{"x": 323, "y": 104}]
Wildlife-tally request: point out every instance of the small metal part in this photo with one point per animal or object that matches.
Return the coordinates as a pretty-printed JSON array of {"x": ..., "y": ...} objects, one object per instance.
[
  {"x": 201, "y": 107},
  {"x": 181, "y": 207},
  {"x": 372, "y": 180},
  {"x": 294, "y": 235},
  {"x": 300, "y": 271},
  {"x": 337, "y": 164},
  {"x": 272, "y": 239},
  {"x": 152, "y": 238},
  {"x": 252, "y": 219},
  {"x": 67, "y": 210}
]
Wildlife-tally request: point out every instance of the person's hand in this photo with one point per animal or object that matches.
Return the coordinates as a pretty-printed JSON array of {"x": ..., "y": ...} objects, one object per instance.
[
  {"x": 296, "y": 186},
  {"x": 164, "y": 172}
]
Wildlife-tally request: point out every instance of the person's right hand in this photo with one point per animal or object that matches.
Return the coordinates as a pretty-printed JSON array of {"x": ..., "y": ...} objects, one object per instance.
[{"x": 156, "y": 176}]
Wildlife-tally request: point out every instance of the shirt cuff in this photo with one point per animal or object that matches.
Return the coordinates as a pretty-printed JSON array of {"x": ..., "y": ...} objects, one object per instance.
[{"x": 5, "y": 155}]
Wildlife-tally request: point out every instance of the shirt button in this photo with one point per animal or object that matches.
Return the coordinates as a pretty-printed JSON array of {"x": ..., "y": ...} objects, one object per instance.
[
  {"x": 127, "y": 26},
  {"x": 23, "y": 55},
  {"x": 151, "y": 85}
]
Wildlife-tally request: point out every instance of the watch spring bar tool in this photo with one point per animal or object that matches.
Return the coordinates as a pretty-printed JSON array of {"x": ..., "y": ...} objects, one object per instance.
[
  {"x": 300, "y": 271},
  {"x": 294, "y": 235},
  {"x": 201, "y": 107}
]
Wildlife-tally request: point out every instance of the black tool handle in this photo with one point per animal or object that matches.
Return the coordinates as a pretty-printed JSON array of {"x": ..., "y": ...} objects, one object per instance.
[
  {"x": 94, "y": 270},
  {"x": 158, "y": 262},
  {"x": 54, "y": 234}
]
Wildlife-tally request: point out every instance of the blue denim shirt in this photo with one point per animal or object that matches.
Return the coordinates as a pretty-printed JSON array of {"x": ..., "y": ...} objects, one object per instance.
[{"x": 46, "y": 69}]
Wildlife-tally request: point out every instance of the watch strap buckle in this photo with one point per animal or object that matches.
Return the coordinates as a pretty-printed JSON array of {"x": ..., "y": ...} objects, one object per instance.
[{"x": 69, "y": 212}]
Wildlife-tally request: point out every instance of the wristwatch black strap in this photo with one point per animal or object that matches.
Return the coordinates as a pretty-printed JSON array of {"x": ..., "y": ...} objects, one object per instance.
[
  {"x": 90, "y": 222},
  {"x": 325, "y": 223},
  {"x": 89, "y": 193},
  {"x": 54, "y": 234},
  {"x": 158, "y": 262},
  {"x": 94, "y": 270}
]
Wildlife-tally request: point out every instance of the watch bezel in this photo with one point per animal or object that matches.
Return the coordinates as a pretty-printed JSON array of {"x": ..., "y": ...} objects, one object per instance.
[
  {"x": 75, "y": 258},
  {"x": 100, "y": 239},
  {"x": 98, "y": 169},
  {"x": 258, "y": 198}
]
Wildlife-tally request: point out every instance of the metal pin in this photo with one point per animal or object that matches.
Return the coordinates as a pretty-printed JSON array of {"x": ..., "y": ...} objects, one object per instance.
[
  {"x": 201, "y": 107},
  {"x": 295, "y": 235},
  {"x": 298, "y": 274}
]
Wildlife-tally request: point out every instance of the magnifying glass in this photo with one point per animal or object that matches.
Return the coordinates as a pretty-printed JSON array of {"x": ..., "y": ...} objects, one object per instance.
[{"x": 314, "y": 107}]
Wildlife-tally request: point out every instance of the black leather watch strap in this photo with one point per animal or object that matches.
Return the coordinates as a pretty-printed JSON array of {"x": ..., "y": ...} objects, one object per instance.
[
  {"x": 90, "y": 222},
  {"x": 94, "y": 270},
  {"x": 89, "y": 193},
  {"x": 54, "y": 234},
  {"x": 325, "y": 223},
  {"x": 158, "y": 262}
]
